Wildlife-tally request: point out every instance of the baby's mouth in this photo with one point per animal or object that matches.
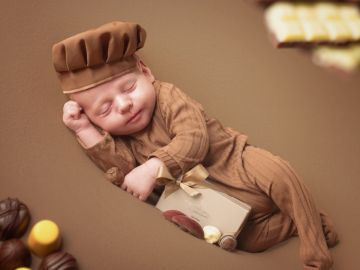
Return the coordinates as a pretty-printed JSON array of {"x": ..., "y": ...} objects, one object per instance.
[{"x": 134, "y": 117}]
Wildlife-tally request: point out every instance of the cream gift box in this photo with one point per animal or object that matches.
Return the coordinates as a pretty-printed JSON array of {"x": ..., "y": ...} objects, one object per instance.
[{"x": 207, "y": 206}]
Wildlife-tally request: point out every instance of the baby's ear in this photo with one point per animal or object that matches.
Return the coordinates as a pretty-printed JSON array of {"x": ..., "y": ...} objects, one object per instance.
[{"x": 146, "y": 70}]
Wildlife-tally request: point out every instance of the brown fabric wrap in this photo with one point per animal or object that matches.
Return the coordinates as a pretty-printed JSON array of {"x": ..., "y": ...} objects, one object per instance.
[{"x": 97, "y": 55}]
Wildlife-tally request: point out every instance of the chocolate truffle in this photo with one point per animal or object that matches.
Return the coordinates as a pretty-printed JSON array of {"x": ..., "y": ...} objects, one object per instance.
[
  {"x": 58, "y": 261},
  {"x": 13, "y": 254},
  {"x": 14, "y": 218},
  {"x": 211, "y": 234},
  {"x": 228, "y": 242},
  {"x": 44, "y": 238}
]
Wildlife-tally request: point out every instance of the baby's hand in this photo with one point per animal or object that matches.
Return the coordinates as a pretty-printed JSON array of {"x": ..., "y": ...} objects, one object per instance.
[
  {"x": 74, "y": 118},
  {"x": 141, "y": 180}
]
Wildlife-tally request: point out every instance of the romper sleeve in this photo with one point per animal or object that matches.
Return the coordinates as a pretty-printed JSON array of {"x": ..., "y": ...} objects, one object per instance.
[
  {"x": 185, "y": 121},
  {"x": 112, "y": 156}
]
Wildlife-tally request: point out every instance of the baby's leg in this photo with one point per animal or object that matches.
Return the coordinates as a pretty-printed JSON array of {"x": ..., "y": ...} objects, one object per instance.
[
  {"x": 265, "y": 232},
  {"x": 278, "y": 180}
]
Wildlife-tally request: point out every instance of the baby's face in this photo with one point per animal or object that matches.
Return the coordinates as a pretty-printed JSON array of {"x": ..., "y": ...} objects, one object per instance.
[{"x": 121, "y": 106}]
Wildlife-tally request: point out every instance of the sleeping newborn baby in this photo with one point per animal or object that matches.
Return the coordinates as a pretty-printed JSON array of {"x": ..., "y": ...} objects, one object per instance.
[{"x": 130, "y": 124}]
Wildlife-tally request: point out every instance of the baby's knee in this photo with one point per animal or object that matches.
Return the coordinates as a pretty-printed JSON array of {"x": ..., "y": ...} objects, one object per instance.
[{"x": 284, "y": 179}]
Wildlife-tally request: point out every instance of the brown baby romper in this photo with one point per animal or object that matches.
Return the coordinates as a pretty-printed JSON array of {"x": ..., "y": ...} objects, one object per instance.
[{"x": 182, "y": 136}]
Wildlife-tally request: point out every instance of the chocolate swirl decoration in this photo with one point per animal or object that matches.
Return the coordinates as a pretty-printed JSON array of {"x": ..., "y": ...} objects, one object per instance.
[
  {"x": 59, "y": 261},
  {"x": 14, "y": 254},
  {"x": 14, "y": 218}
]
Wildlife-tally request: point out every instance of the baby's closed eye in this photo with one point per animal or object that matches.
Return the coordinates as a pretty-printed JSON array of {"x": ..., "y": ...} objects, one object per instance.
[
  {"x": 104, "y": 108},
  {"x": 129, "y": 87}
]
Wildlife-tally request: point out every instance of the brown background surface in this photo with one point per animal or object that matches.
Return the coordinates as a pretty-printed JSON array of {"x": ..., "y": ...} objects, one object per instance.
[{"x": 219, "y": 53}]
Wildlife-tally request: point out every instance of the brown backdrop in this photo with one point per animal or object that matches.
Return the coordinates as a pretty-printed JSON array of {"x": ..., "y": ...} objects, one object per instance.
[{"x": 217, "y": 51}]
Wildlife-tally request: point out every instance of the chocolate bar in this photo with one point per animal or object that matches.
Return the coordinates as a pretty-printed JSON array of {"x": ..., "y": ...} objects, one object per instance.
[
  {"x": 267, "y": 2},
  {"x": 303, "y": 24},
  {"x": 343, "y": 59}
]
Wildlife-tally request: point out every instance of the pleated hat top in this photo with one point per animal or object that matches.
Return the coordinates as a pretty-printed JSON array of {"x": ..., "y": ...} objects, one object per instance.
[{"x": 98, "y": 55}]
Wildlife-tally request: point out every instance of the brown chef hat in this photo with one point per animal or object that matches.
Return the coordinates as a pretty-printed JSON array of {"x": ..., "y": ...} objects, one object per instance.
[{"x": 97, "y": 55}]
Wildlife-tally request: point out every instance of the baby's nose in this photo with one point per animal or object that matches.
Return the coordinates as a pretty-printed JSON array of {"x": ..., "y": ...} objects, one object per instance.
[{"x": 123, "y": 104}]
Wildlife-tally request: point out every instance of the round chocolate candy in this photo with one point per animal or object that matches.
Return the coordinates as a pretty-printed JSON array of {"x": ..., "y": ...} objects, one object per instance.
[
  {"x": 228, "y": 242},
  {"x": 211, "y": 234},
  {"x": 14, "y": 218},
  {"x": 44, "y": 238},
  {"x": 58, "y": 261},
  {"x": 13, "y": 254}
]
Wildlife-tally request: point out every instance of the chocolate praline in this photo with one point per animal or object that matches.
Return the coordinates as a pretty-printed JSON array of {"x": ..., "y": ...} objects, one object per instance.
[
  {"x": 14, "y": 254},
  {"x": 58, "y": 261},
  {"x": 228, "y": 242},
  {"x": 14, "y": 218}
]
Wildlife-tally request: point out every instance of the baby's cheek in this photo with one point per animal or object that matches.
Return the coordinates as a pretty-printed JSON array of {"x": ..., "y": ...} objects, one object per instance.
[
  {"x": 116, "y": 126},
  {"x": 101, "y": 123}
]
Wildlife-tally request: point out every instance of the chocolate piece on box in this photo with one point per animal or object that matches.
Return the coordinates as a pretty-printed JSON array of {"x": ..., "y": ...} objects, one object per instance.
[
  {"x": 13, "y": 254},
  {"x": 44, "y": 238},
  {"x": 59, "y": 261},
  {"x": 184, "y": 222},
  {"x": 14, "y": 218},
  {"x": 169, "y": 214},
  {"x": 188, "y": 225},
  {"x": 343, "y": 59},
  {"x": 306, "y": 24},
  {"x": 228, "y": 242},
  {"x": 211, "y": 234}
]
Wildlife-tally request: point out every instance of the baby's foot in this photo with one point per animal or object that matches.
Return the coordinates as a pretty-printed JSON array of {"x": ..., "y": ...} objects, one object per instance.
[{"x": 329, "y": 231}]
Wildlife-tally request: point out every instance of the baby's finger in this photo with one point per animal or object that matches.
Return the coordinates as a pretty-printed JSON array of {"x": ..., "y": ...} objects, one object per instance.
[
  {"x": 69, "y": 104},
  {"x": 75, "y": 113},
  {"x": 72, "y": 106}
]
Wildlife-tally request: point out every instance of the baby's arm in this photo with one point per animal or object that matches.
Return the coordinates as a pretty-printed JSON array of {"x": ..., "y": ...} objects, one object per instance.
[
  {"x": 78, "y": 122},
  {"x": 140, "y": 181},
  {"x": 186, "y": 123},
  {"x": 113, "y": 157}
]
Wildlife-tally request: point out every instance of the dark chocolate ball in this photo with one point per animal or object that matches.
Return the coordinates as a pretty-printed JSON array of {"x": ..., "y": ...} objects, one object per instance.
[
  {"x": 14, "y": 218},
  {"x": 59, "y": 261},
  {"x": 14, "y": 254}
]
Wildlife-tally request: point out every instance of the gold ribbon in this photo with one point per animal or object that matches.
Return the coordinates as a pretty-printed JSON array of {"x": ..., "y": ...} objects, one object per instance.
[{"x": 194, "y": 177}]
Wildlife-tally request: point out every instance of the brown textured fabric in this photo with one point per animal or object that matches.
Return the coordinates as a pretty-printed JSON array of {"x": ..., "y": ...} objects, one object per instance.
[
  {"x": 294, "y": 211},
  {"x": 97, "y": 55},
  {"x": 182, "y": 136}
]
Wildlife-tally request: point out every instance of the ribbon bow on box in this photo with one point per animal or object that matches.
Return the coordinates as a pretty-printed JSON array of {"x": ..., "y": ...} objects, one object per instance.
[{"x": 195, "y": 177}]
